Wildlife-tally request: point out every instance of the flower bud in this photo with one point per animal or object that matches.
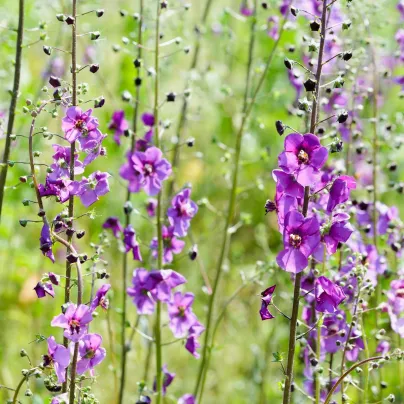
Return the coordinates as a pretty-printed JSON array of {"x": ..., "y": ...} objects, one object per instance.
[
  {"x": 47, "y": 50},
  {"x": 94, "y": 68},
  {"x": 99, "y": 13},
  {"x": 69, "y": 20},
  {"x": 95, "y": 35}
]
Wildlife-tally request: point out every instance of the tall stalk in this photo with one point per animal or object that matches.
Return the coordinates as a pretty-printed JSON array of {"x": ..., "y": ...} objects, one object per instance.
[
  {"x": 72, "y": 151},
  {"x": 247, "y": 108},
  {"x": 13, "y": 103},
  {"x": 157, "y": 328},
  {"x": 128, "y": 218},
  {"x": 298, "y": 278},
  {"x": 184, "y": 108}
]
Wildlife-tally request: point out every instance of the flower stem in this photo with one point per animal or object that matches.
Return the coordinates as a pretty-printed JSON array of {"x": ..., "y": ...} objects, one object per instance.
[{"x": 13, "y": 102}]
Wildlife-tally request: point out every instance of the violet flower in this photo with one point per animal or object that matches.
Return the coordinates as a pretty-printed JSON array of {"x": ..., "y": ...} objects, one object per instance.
[
  {"x": 142, "y": 285},
  {"x": 192, "y": 342},
  {"x": 328, "y": 295},
  {"x": 44, "y": 288},
  {"x": 77, "y": 123},
  {"x": 304, "y": 157},
  {"x": 100, "y": 298},
  {"x": 334, "y": 332},
  {"x": 395, "y": 306},
  {"x": 383, "y": 347},
  {"x": 91, "y": 353},
  {"x": 148, "y": 119},
  {"x": 354, "y": 345},
  {"x": 273, "y": 27},
  {"x": 60, "y": 399},
  {"x": 339, "y": 232},
  {"x": 182, "y": 210},
  {"x": 59, "y": 357},
  {"x": 187, "y": 399},
  {"x": 300, "y": 237},
  {"x": 74, "y": 321},
  {"x": 171, "y": 245},
  {"x": 167, "y": 379},
  {"x": 340, "y": 190},
  {"x": 119, "y": 124},
  {"x": 165, "y": 280},
  {"x": 287, "y": 184},
  {"x": 181, "y": 314},
  {"x": 46, "y": 242},
  {"x": 114, "y": 224},
  {"x": 89, "y": 190},
  {"x": 266, "y": 298},
  {"x": 151, "y": 207},
  {"x": 61, "y": 164},
  {"x": 129, "y": 240}
]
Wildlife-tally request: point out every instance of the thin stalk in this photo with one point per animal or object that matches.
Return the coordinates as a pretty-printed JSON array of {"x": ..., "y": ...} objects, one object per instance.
[
  {"x": 350, "y": 370},
  {"x": 13, "y": 102},
  {"x": 127, "y": 222},
  {"x": 296, "y": 293},
  {"x": 330, "y": 371},
  {"x": 318, "y": 354},
  {"x": 366, "y": 370},
  {"x": 230, "y": 211},
  {"x": 157, "y": 327},
  {"x": 184, "y": 108},
  {"x": 17, "y": 390}
]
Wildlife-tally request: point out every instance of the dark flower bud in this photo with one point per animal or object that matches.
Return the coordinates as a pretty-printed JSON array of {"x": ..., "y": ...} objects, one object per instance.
[
  {"x": 400, "y": 188},
  {"x": 392, "y": 166},
  {"x": 54, "y": 81},
  {"x": 123, "y": 13},
  {"x": 193, "y": 252},
  {"x": 367, "y": 228},
  {"x": 72, "y": 258},
  {"x": 127, "y": 208},
  {"x": 337, "y": 146},
  {"x": 288, "y": 63},
  {"x": 61, "y": 17},
  {"x": 99, "y": 13},
  {"x": 23, "y": 178},
  {"x": 313, "y": 362},
  {"x": 126, "y": 96},
  {"x": 342, "y": 117},
  {"x": 396, "y": 247},
  {"x": 126, "y": 132},
  {"x": 99, "y": 102},
  {"x": 314, "y": 26},
  {"x": 280, "y": 127},
  {"x": 80, "y": 234},
  {"x": 383, "y": 385},
  {"x": 294, "y": 11},
  {"x": 23, "y": 222},
  {"x": 347, "y": 55},
  {"x": 363, "y": 205},
  {"x": 83, "y": 258},
  {"x": 137, "y": 63},
  {"x": 264, "y": 5},
  {"x": 339, "y": 82},
  {"x": 310, "y": 84},
  {"x": 164, "y": 4},
  {"x": 391, "y": 398},
  {"x": 191, "y": 142},
  {"x": 47, "y": 50},
  {"x": 138, "y": 81},
  {"x": 41, "y": 213},
  {"x": 69, "y": 20},
  {"x": 95, "y": 35},
  {"x": 269, "y": 206},
  {"x": 94, "y": 68},
  {"x": 171, "y": 97},
  {"x": 23, "y": 353},
  {"x": 70, "y": 231}
]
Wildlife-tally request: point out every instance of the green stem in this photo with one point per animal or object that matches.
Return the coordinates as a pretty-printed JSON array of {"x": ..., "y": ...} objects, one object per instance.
[
  {"x": 318, "y": 354},
  {"x": 13, "y": 102},
  {"x": 17, "y": 390},
  {"x": 366, "y": 370}
]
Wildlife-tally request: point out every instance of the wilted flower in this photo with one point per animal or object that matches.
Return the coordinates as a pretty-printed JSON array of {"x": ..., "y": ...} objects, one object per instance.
[
  {"x": 114, "y": 224},
  {"x": 192, "y": 342},
  {"x": 266, "y": 298},
  {"x": 43, "y": 288},
  {"x": 129, "y": 240},
  {"x": 100, "y": 298},
  {"x": 151, "y": 207},
  {"x": 187, "y": 399},
  {"x": 46, "y": 242},
  {"x": 167, "y": 379}
]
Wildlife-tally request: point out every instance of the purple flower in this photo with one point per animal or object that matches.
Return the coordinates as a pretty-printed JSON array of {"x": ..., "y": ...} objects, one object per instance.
[
  {"x": 55, "y": 279},
  {"x": 129, "y": 240},
  {"x": 266, "y": 298},
  {"x": 60, "y": 399},
  {"x": 77, "y": 123},
  {"x": 304, "y": 157},
  {"x": 273, "y": 27},
  {"x": 89, "y": 190},
  {"x": 46, "y": 242},
  {"x": 91, "y": 353},
  {"x": 300, "y": 237},
  {"x": 182, "y": 210},
  {"x": 339, "y": 232},
  {"x": 355, "y": 344},
  {"x": 171, "y": 245},
  {"x": 192, "y": 343},
  {"x": 61, "y": 164},
  {"x": 328, "y": 295},
  {"x": 119, "y": 124},
  {"x": 148, "y": 119},
  {"x": 59, "y": 357},
  {"x": 383, "y": 347},
  {"x": 151, "y": 207},
  {"x": 146, "y": 170},
  {"x": 245, "y": 10},
  {"x": 187, "y": 399},
  {"x": 74, "y": 321},
  {"x": 340, "y": 190},
  {"x": 287, "y": 184},
  {"x": 400, "y": 8},
  {"x": 167, "y": 379},
  {"x": 56, "y": 188},
  {"x": 100, "y": 299},
  {"x": 42, "y": 289},
  {"x": 181, "y": 314},
  {"x": 114, "y": 224},
  {"x": 165, "y": 280},
  {"x": 141, "y": 291},
  {"x": 395, "y": 306},
  {"x": 334, "y": 332}
]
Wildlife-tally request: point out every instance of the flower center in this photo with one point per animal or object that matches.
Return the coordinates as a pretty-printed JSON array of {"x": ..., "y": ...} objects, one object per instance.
[
  {"x": 332, "y": 330},
  {"x": 80, "y": 124},
  {"x": 303, "y": 157},
  {"x": 104, "y": 303},
  {"x": 400, "y": 293},
  {"x": 181, "y": 310},
  {"x": 90, "y": 354},
  {"x": 295, "y": 240},
  {"x": 74, "y": 326},
  {"x": 47, "y": 360},
  {"x": 148, "y": 168}
]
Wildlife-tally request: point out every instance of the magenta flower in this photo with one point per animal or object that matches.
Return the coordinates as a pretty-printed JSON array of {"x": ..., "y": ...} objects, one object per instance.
[
  {"x": 61, "y": 164},
  {"x": 192, "y": 342},
  {"x": 148, "y": 119},
  {"x": 45, "y": 242},
  {"x": 74, "y": 321},
  {"x": 287, "y": 184},
  {"x": 44, "y": 288},
  {"x": 273, "y": 27},
  {"x": 91, "y": 353},
  {"x": 89, "y": 190},
  {"x": 182, "y": 210},
  {"x": 151, "y": 207},
  {"x": 57, "y": 188},
  {"x": 340, "y": 190},
  {"x": 395, "y": 306},
  {"x": 114, "y": 224},
  {"x": 77, "y": 123},
  {"x": 266, "y": 298},
  {"x": 187, "y": 399},
  {"x": 339, "y": 232},
  {"x": 58, "y": 357},
  {"x": 165, "y": 280},
  {"x": 171, "y": 245},
  {"x": 328, "y": 295},
  {"x": 181, "y": 314},
  {"x": 400, "y": 8},
  {"x": 60, "y": 399},
  {"x": 304, "y": 157},
  {"x": 100, "y": 298},
  {"x": 383, "y": 347},
  {"x": 300, "y": 238},
  {"x": 146, "y": 170},
  {"x": 167, "y": 379},
  {"x": 245, "y": 10},
  {"x": 129, "y": 240},
  {"x": 142, "y": 285},
  {"x": 119, "y": 124}
]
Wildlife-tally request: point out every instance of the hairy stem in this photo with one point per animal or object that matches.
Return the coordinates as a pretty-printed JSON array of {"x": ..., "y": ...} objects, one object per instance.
[{"x": 13, "y": 103}]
